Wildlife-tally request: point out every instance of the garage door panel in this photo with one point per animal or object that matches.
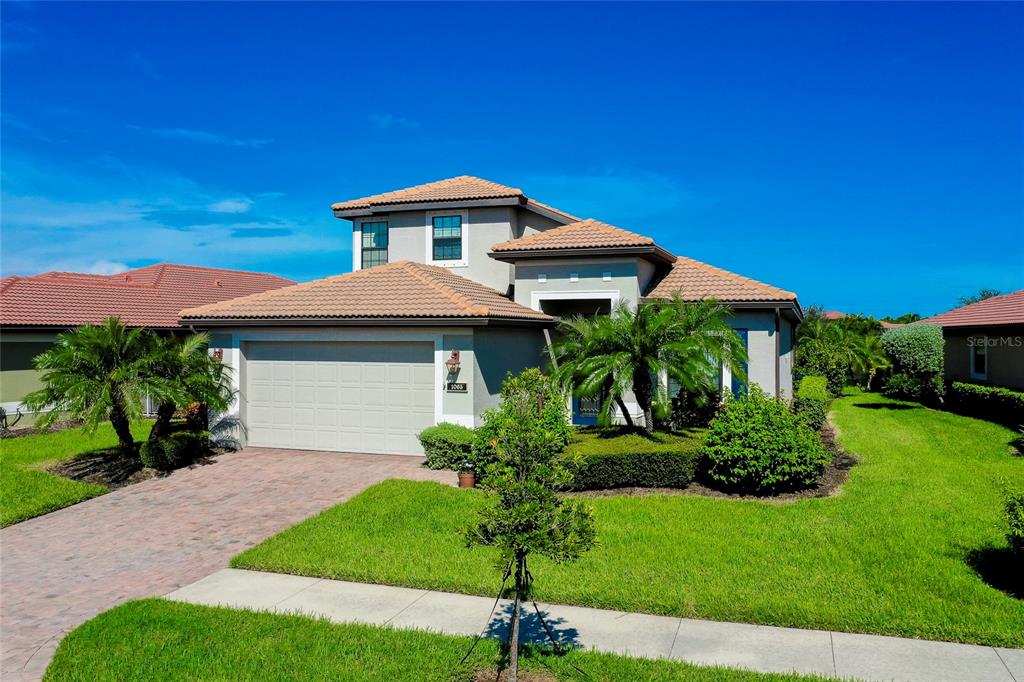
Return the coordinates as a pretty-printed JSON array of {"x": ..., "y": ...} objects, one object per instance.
[{"x": 357, "y": 397}]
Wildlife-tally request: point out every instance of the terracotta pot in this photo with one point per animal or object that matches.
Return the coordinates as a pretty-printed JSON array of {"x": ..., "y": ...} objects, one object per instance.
[{"x": 467, "y": 479}]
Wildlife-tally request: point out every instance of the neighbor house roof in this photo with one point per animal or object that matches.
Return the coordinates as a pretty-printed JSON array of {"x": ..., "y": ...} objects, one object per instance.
[
  {"x": 146, "y": 297},
  {"x": 833, "y": 315},
  {"x": 694, "y": 281},
  {"x": 399, "y": 290},
  {"x": 583, "y": 234},
  {"x": 462, "y": 188},
  {"x": 998, "y": 310}
]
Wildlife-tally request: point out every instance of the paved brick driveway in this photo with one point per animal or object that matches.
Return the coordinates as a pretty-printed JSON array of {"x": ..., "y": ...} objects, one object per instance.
[{"x": 59, "y": 570}]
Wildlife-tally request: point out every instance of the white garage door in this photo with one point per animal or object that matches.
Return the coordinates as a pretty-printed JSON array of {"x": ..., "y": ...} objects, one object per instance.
[{"x": 349, "y": 397}]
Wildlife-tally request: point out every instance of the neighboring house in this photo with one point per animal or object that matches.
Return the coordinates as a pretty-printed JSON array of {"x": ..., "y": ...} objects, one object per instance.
[
  {"x": 455, "y": 283},
  {"x": 34, "y": 309},
  {"x": 985, "y": 341}
]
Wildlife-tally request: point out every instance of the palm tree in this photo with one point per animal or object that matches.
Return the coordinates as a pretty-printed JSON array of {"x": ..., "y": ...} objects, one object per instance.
[
  {"x": 95, "y": 373},
  {"x": 868, "y": 357},
  {"x": 190, "y": 375},
  {"x": 607, "y": 355}
]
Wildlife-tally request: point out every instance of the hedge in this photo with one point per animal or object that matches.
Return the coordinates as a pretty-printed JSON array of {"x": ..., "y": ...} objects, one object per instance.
[
  {"x": 987, "y": 402},
  {"x": 620, "y": 458},
  {"x": 447, "y": 446},
  {"x": 812, "y": 401}
]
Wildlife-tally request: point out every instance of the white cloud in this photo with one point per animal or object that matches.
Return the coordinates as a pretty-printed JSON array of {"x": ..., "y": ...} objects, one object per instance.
[
  {"x": 204, "y": 136},
  {"x": 237, "y": 205},
  {"x": 109, "y": 216},
  {"x": 106, "y": 267}
]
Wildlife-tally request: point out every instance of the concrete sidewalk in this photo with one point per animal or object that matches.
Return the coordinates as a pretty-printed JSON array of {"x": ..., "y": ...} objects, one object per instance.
[{"x": 736, "y": 645}]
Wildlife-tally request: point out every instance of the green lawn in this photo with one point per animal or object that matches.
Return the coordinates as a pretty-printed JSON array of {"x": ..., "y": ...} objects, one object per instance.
[
  {"x": 890, "y": 554},
  {"x": 155, "y": 639},
  {"x": 27, "y": 491}
]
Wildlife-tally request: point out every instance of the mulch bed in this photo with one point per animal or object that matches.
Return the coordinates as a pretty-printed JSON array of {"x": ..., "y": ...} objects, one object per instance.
[
  {"x": 828, "y": 485},
  {"x": 19, "y": 431},
  {"x": 113, "y": 468}
]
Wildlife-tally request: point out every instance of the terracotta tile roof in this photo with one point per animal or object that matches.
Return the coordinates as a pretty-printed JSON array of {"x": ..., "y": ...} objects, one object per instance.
[
  {"x": 397, "y": 290},
  {"x": 584, "y": 234},
  {"x": 462, "y": 188},
  {"x": 998, "y": 310},
  {"x": 695, "y": 280},
  {"x": 833, "y": 315},
  {"x": 146, "y": 297}
]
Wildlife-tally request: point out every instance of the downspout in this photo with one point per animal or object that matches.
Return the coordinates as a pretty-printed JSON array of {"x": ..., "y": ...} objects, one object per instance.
[{"x": 778, "y": 347}]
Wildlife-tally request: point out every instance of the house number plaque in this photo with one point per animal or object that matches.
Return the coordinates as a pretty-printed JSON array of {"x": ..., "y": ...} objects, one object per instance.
[{"x": 459, "y": 387}]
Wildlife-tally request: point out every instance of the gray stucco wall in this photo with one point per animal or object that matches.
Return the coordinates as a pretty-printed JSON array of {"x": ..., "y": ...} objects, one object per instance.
[
  {"x": 527, "y": 223},
  {"x": 1005, "y": 356},
  {"x": 498, "y": 351},
  {"x": 760, "y": 326},
  {"x": 485, "y": 227},
  {"x": 591, "y": 278}
]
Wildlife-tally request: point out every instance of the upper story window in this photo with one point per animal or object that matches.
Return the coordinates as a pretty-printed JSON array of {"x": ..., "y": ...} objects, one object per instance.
[
  {"x": 447, "y": 236},
  {"x": 375, "y": 243}
]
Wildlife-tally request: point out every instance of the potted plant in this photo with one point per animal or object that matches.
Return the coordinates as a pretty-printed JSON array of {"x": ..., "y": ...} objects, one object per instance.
[{"x": 467, "y": 474}]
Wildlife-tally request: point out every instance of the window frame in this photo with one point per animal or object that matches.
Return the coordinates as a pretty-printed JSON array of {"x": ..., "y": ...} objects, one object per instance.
[
  {"x": 463, "y": 260},
  {"x": 362, "y": 247},
  {"x": 974, "y": 342}
]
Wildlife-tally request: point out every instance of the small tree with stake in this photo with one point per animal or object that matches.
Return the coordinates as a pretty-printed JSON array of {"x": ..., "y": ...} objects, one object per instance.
[{"x": 527, "y": 516}]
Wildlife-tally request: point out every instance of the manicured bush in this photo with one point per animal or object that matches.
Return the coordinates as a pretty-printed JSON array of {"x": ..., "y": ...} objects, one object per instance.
[
  {"x": 756, "y": 444},
  {"x": 814, "y": 387},
  {"x": 1013, "y": 506},
  {"x": 553, "y": 420},
  {"x": 917, "y": 354},
  {"x": 987, "y": 402},
  {"x": 175, "y": 450},
  {"x": 812, "y": 402},
  {"x": 447, "y": 446},
  {"x": 621, "y": 457}
]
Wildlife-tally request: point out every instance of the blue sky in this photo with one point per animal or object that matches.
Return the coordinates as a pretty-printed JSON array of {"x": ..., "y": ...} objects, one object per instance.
[{"x": 868, "y": 156}]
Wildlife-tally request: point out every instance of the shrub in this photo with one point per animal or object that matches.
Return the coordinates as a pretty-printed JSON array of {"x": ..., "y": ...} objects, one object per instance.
[
  {"x": 813, "y": 387},
  {"x": 812, "y": 402},
  {"x": 1013, "y": 506},
  {"x": 694, "y": 410},
  {"x": 917, "y": 352},
  {"x": 988, "y": 402},
  {"x": 553, "y": 418},
  {"x": 175, "y": 450},
  {"x": 621, "y": 457},
  {"x": 447, "y": 446},
  {"x": 756, "y": 444}
]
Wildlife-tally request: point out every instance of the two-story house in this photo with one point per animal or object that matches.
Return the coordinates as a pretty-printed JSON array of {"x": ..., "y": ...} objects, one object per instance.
[{"x": 453, "y": 285}]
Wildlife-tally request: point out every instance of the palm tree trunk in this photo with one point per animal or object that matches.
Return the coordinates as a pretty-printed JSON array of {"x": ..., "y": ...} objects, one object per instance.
[
  {"x": 162, "y": 425},
  {"x": 119, "y": 420},
  {"x": 642, "y": 391},
  {"x": 625, "y": 412}
]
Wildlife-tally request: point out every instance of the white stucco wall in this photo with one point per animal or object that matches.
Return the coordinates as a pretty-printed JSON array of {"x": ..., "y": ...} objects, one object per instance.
[
  {"x": 483, "y": 227},
  {"x": 760, "y": 326}
]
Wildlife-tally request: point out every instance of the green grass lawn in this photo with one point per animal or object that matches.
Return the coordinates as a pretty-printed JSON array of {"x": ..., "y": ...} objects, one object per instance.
[
  {"x": 27, "y": 491},
  {"x": 155, "y": 639},
  {"x": 890, "y": 554}
]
